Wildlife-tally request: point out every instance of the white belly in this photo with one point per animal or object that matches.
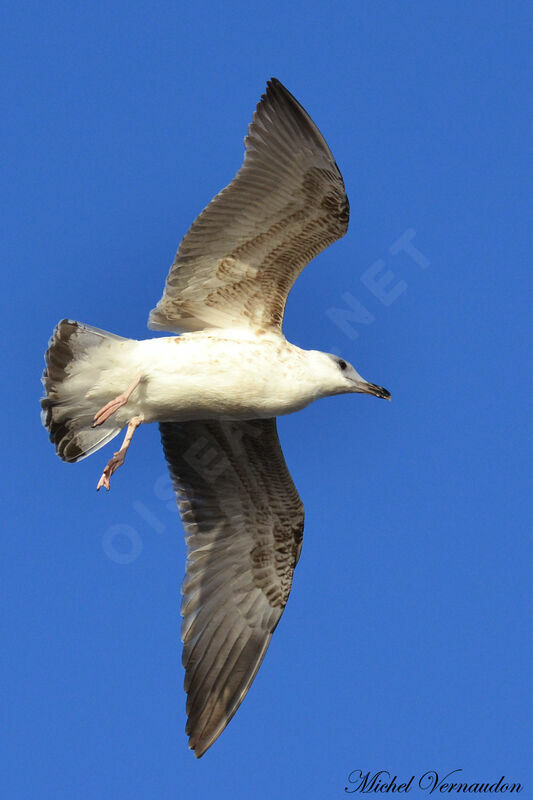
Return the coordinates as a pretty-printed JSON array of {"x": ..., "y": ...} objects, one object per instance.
[{"x": 200, "y": 376}]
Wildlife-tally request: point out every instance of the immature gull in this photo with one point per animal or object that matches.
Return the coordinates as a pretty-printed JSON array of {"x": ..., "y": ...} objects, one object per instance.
[{"x": 216, "y": 391}]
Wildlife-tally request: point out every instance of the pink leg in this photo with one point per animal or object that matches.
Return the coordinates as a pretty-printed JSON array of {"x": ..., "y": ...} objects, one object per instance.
[
  {"x": 118, "y": 459},
  {"x": 116, "y": 403}
]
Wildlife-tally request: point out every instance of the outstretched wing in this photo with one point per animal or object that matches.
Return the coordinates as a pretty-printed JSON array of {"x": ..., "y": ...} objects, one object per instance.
[
  {"x": 287, "y": 203},
  {"x": 244, "y": 521}
]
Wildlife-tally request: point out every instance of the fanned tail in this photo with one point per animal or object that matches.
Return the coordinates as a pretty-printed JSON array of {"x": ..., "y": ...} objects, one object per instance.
[{"x": 67, "y": 412}]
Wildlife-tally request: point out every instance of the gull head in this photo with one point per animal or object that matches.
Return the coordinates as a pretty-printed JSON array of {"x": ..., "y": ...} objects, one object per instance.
[{"x": 337, "y": 376}]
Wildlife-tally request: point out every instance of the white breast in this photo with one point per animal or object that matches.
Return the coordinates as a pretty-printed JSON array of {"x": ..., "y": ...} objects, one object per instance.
[{"x": 205, "y": 376}]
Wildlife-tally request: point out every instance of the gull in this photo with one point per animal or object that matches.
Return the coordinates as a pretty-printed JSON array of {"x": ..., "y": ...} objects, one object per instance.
[{"x": 216, "y": 390}]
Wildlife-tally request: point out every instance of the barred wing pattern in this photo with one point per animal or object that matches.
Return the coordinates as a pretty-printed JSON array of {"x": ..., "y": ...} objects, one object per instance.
[
  {"x": 244, "y": 521},
  {"x": 287, "y": 203}
]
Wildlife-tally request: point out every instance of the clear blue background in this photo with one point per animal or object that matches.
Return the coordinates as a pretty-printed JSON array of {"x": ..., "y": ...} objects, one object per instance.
[{"x": 406, "y": 641}]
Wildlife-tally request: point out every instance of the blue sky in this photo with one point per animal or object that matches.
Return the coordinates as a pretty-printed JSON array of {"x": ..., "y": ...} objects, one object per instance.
[{"x": 405, "y": 644}]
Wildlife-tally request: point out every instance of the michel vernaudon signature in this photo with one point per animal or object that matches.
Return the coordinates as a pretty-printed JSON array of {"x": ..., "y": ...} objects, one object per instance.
[{"x": 430, "y": 782}]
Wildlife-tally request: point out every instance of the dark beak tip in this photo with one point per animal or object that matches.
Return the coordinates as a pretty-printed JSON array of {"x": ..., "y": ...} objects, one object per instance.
[{"x": 380, "y": 391}]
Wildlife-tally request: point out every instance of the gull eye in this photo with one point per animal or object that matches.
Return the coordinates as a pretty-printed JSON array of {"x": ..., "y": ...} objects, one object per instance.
[{"x": 342, "y": 364}]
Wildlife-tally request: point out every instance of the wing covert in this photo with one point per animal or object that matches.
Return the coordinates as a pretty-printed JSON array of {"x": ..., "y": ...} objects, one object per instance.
[{"x": 287, "y": 203}]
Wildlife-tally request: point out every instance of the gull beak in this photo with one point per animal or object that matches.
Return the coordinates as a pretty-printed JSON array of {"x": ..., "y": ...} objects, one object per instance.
[{"x": 372, "y": 388}]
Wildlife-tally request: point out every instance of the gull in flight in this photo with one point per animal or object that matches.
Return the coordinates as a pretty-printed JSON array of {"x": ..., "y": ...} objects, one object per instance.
[{"x": 216, "y": 390}]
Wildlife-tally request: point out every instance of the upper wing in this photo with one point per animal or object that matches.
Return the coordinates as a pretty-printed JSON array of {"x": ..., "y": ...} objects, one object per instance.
[
  {"x": 287, "y": 203},
  {"x": 243, "y": 520}
]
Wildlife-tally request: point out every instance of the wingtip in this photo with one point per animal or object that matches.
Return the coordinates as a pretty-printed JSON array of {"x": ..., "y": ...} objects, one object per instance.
[
  {"x": 274, "y": 84},
  {"x": 199, "y": 750},
  {"x": 195, "y": 752}
]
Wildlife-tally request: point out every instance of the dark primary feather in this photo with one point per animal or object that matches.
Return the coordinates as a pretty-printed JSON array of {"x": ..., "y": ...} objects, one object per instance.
[
  {"x": 240, "y": 258},
  {"x": 244, "y": 524}
]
